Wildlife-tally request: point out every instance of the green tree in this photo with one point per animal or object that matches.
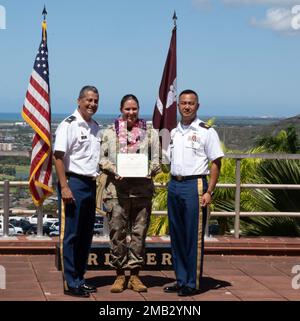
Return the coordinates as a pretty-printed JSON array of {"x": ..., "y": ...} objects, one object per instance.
[
  {"x": 251, "y": 200},
  {"x": 159, "y": 224},
  {"x": 279, "y": 172},
  {"x": 285, "y": 141}
]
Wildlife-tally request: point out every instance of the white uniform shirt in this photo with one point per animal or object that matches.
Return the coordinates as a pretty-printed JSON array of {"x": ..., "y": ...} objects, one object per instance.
[
  {"x": 80, "y": 141},
  {"x": 192, "y": 149}
]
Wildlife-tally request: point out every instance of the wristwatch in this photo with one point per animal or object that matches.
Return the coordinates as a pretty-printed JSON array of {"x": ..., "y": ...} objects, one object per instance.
[{"x": 210, "y": 193}]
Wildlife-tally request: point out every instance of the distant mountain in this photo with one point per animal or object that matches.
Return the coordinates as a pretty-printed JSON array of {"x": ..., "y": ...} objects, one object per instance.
[
  {"x": 243, "y": 138},
  {"x": 292, "y": 121}
]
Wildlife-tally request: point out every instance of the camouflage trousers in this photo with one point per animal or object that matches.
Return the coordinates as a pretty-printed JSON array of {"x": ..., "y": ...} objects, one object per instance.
[{"x": 128, "y": 221}]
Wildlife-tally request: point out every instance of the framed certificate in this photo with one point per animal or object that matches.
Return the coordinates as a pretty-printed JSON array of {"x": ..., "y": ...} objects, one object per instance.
[{"x": 132, "y": 165}]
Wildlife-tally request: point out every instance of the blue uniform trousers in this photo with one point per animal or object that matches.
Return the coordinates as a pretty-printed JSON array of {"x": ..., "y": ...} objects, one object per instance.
[
  {"x": 187, "y": 226},
  {"x": 76, "y": 230}
]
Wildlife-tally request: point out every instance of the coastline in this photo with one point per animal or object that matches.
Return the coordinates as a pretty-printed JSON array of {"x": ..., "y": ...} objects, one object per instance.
[{"x": 109, "y": 118}]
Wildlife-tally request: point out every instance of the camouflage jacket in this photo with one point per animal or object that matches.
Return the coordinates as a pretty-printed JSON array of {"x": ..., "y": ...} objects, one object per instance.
[{"x": 128, "y": 187}]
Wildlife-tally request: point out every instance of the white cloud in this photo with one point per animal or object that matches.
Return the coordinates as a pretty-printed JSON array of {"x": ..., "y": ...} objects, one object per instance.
[
  {"x": 276, "y": 19},
  {"x": 203, "y": 3},
  {"x": 281, "y": 3},
  {"x": 264, "y": 2}
]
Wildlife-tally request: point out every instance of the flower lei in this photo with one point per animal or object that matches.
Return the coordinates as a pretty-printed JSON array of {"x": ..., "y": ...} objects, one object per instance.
[{"x": 129, "y": 140}]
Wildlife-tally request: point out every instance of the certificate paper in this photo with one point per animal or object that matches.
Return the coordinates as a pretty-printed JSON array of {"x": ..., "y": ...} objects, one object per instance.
[{"x": 132, "y": 165}]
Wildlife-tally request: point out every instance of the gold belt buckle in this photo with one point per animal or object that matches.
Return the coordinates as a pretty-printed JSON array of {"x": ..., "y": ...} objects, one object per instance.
[{"x": 179, "y": 178}]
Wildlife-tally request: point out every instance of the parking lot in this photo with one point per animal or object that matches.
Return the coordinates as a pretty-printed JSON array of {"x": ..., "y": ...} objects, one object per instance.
[{"x": 19, "y": 225}]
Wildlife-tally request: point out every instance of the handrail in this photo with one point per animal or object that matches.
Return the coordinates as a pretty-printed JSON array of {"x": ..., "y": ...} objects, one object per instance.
[{"x": 237, "y": 185}]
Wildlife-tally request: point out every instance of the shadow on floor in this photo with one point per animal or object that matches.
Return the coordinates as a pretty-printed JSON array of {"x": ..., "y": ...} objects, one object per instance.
[
  {"x": 209, "y": 283},
  {"x": 150, "y": 281}
]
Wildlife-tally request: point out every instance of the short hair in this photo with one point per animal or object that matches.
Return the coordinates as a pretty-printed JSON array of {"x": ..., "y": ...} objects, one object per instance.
[
  {"x": 189, "y": 91},
  {"x": 85, "y": 89},
  {"x": 128, "y": 97}
]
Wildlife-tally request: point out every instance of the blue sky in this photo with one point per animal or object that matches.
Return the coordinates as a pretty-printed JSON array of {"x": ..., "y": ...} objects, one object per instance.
[{"x": 241, "y": 56}]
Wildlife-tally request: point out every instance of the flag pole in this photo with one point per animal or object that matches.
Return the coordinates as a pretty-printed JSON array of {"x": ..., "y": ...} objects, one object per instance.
[
  {"x": 44, "y": 13},
  {"x": 39, "y": 209},
  {"x": 175, "y": 18},
  {"x": 44, "y": 23},
  {"x": 37, "y": 113},
  {"x": 165, "y": 110}
]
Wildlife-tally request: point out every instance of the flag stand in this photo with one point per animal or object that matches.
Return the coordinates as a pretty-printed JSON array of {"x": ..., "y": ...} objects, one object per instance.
[
  {"x": 39, "y": 212},
  {"x": 39, "y": 233}
]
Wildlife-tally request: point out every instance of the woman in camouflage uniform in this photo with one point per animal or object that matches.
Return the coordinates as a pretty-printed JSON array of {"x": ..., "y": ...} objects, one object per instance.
[{"x": 128, "y": 201}]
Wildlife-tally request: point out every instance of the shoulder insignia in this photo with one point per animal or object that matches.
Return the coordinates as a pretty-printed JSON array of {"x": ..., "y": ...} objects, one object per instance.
[
  {"x": 70, "y": 119},
  {"x": 204, "y": 125}
]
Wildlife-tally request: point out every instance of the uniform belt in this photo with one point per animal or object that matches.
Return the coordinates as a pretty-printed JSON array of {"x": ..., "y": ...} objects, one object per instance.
[
  {"x": 180, "y": 178},
  {"x": 90, "y": 178}
]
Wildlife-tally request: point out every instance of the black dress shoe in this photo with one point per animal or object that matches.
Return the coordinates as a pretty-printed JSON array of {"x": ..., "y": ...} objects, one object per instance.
[
  {"x": 172, "y": 288},
  {"x": 89, "y": 288},
  {"x": 187, "y": 291},
  {"x": 77, "y": 292}
]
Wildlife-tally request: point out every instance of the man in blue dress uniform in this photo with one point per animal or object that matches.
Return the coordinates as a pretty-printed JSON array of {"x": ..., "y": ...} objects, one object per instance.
[
  {"x": 76, "y": 157},
  {"x": 193, "y": 146}
]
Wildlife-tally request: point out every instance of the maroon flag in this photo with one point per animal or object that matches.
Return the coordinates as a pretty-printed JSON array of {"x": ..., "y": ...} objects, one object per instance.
[{"x": 165, "y": 110}]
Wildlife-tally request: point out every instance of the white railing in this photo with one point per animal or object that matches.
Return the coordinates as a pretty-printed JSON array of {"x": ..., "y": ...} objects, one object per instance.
[{"x": 237, "y": 186}]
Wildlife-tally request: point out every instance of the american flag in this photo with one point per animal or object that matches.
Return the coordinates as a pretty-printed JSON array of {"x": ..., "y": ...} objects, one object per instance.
[{"x": 37, "y": 113}]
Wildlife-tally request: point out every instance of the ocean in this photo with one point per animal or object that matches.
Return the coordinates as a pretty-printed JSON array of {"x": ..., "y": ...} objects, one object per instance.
[{"x": 107, "y": 119}]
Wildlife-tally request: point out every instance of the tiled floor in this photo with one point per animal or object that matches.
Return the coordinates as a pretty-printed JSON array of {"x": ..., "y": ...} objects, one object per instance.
[{"x": 226, "y": 278}]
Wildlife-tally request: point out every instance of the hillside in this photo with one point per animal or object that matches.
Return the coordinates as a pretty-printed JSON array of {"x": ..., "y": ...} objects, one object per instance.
[{"x": 243, "y": 137}]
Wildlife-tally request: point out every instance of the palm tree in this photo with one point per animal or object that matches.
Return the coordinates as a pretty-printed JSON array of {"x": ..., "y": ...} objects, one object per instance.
[
  {"x": 159, "y": 224},
  {"x": 285, "y": 141},
  {"x": 250, "y": 200},
  {"x": 279, "y": 172}
]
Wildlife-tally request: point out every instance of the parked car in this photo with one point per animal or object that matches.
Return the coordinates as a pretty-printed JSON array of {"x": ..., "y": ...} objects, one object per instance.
[
  {"x": 23, "y": 224},
  {"x": 46, "y": 228},
  {"x": 99, "y": 219},
  {"x": 55, "y": 226},
  {"x": 11, "y": 230},
  {"x": 214, "y": 229},
  {"x": 46, "y": 218},
  {"x": 54, "y": 233},
  {"x": 18, "y": 230},
  {"x": 98, "y": 228},
  {"x": 18, "y": 218}
]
